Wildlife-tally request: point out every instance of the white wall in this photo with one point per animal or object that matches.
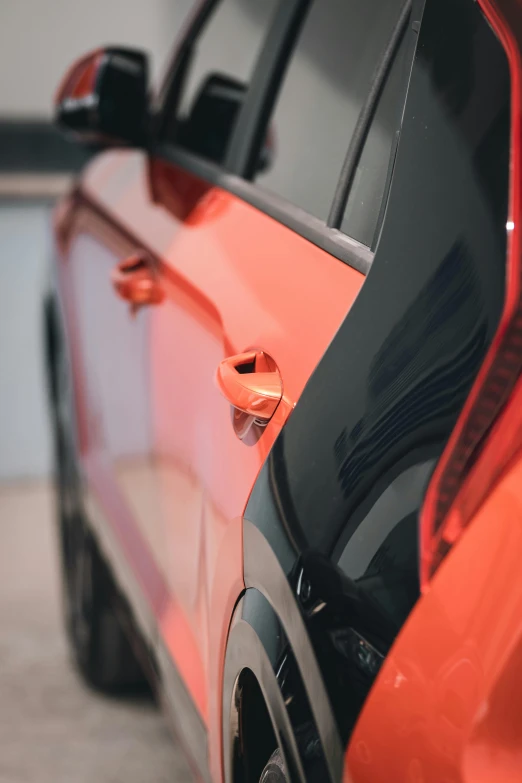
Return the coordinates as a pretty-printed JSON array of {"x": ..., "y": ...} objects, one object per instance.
[
  {"x": 39, "y": 39},
  {"x": 25, "y": 441}
]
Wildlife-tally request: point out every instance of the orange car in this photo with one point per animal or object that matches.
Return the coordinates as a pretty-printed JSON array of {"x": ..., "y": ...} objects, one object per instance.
[{"x": 284, "y": 341}]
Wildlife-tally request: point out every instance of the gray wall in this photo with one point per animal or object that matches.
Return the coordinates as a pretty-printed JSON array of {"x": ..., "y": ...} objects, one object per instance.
[
  {"x": 39, "y": 39},
  {"x": 25, "y": 448}
]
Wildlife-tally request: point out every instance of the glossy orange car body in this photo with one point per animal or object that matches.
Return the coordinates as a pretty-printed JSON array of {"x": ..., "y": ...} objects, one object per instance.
[
  {"x": 251, "y": 296},
  {"x": 231, "y": 399}
]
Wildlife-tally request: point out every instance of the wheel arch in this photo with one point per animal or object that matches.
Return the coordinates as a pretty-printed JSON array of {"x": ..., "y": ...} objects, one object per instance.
[
  {"x": 251, "y": 692},
  {"x": 263, "y": 682},
  {"x": 264, "y": 571}
]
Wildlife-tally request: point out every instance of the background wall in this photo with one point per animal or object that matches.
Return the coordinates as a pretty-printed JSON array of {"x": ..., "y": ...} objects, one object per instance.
[
  {"x": 25, "y": 442},
  {"x": 39, "y": 39}
]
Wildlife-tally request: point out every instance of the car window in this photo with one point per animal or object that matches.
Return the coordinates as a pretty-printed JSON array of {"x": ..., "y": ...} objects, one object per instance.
[
  {"x": 325, "y": 87},
  {"x": 222, "y": 62},
  {"x": 365, "y": 200}
]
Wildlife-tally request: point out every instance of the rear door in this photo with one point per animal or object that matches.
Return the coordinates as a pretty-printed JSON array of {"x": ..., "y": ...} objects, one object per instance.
[{"x": 253, "y": 268}]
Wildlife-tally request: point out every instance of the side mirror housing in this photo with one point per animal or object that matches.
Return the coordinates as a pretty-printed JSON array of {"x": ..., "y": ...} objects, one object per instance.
[{"x": 103, "y": 99}]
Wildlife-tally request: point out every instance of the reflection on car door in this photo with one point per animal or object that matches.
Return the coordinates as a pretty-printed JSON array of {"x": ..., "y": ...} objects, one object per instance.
[
  {"x": 111, "y": 367},
  {"x": 234, "y": 280}
]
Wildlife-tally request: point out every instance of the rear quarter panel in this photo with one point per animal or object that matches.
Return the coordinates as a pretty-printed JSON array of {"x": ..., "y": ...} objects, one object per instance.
[{"x": 447, "y": 705}]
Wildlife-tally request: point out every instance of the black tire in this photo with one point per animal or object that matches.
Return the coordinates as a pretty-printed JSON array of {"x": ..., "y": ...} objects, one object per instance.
[
  {"x": 274, "y": 772},
  {"x": 99, "y": 646}
]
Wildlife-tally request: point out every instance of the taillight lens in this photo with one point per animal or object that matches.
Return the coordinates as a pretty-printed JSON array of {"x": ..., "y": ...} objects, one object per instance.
[{"x": 489, "y": 431}]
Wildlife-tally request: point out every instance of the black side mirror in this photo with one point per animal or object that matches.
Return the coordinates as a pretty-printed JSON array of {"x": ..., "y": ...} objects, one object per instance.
[
  {"x": 208, "y": 129},
  {"x": 103, "y": 98}
]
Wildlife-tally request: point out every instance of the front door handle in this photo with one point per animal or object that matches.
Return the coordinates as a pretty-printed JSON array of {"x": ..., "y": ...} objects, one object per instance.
[
  {"x": 252, "y": 384},
  {"x": 136, "y": 281}
]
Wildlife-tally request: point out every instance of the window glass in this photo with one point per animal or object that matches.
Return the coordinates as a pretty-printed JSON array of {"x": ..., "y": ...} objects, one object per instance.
[
  {"x": 374, "y": 170},
  {"x": 322, "y": 94},
  {"x": 221, "y": 65}
]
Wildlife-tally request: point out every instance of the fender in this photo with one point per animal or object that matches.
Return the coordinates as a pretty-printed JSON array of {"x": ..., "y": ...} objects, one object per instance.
[{"x": 263, "y": 571}]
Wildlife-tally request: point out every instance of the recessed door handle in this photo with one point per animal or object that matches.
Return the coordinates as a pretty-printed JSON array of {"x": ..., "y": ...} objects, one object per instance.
[
  {"x": 136, "y": 280},
  {"x": 252, "y": 384}
]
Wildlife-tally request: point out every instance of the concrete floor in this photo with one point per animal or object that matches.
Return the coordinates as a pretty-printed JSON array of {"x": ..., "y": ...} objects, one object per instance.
[{"x": 52, "y": 728}]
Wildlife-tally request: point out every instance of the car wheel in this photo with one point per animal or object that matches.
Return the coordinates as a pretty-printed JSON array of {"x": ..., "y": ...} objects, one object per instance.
[
  {"x": 97, "y": 640},
  {"x": 274, "y": 772},
  {"x": 100, "y": 647}
]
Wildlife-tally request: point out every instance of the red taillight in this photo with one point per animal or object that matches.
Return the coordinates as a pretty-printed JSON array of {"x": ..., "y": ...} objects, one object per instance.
[{"x": 489, "y": 431}]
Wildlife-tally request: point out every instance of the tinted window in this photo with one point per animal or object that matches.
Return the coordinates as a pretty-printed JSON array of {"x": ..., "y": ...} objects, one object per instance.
[
  {"x": 373, "y": 173},
  {"x": 221, "y": 65},
  {"x": 322, "y": 94}
]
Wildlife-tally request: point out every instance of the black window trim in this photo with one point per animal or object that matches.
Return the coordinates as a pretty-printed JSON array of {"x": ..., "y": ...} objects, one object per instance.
[
  {"x": 366, "y": 115},
  {"x": 333, "y": 241},
  {"x": 266, "y": 82},
  {"x": 408, "y": 23},
  {"x": 174, "y": 79},
  {"x": 261, "y": 95}
]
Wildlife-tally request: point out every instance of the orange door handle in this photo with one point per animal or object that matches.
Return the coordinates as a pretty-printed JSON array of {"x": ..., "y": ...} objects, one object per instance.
[
  {"x": 251, "y": 383},
  {"x": 136, "y": 280}
]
